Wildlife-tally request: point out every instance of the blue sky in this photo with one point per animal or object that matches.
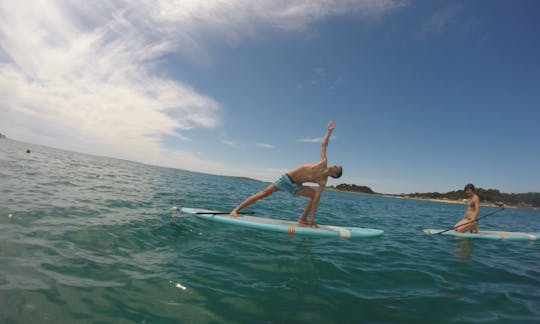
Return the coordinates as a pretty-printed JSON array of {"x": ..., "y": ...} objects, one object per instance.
[{"x": 426, "y": 95}]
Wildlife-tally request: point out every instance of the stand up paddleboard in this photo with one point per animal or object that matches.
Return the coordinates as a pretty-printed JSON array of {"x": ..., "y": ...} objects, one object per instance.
[
  {"x": 489, "y": 235},
  {"x": 283, "y": 226}
]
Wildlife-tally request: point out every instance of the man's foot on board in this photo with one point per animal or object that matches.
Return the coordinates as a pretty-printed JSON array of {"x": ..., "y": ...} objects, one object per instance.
[{"x": 307, "y": 224}]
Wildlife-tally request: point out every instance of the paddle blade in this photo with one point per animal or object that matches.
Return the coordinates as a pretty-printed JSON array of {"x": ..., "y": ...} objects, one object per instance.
[{"x": 177, "y": 214}]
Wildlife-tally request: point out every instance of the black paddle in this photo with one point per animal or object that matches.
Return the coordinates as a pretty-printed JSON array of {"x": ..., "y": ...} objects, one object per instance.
[
  {"x": 479, "y": 218},
  {"x": 222, "y": 213},
  {"x": 176, "y": 209}
]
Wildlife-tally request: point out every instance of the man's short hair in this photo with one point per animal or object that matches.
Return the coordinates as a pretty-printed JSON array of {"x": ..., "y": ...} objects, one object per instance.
[{"x": 340, "y": 172}]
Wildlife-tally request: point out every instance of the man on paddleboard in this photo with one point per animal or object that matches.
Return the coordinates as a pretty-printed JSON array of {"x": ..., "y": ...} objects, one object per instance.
[{"x": 292, "y": 182}]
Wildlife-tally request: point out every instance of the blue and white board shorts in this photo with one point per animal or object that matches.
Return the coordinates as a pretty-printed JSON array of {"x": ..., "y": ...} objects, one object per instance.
[{"x": 285, "y": 183}]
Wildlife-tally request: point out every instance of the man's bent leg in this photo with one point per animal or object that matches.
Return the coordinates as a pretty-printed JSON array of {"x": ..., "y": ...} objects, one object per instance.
[
  {"x": 250, "y": 200},
  {"x": 303, "y": 218},
  {"x": 309, "y": 193}
]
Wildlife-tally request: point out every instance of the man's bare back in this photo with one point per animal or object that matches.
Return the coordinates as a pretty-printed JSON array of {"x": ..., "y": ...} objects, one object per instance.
[{"x": 315, "y": 172}]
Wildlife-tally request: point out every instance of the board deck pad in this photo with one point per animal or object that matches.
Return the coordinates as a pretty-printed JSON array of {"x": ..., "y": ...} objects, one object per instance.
[
  {"x": 489, "y": 235},
  {"x": 284, "y": 226}
]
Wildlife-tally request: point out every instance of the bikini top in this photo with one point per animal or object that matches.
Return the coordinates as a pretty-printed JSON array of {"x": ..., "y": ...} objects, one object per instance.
[{"x": 471, "y": 203}]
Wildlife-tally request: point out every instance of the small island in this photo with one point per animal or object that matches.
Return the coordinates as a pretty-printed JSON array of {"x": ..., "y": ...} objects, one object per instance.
[{"x": 352, "y": 188}]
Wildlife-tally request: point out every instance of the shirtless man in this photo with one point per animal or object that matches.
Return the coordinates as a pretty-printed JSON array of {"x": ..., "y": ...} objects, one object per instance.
[
  {"x": 469, "y": 223},
  {"x": 316, "y": 172}
]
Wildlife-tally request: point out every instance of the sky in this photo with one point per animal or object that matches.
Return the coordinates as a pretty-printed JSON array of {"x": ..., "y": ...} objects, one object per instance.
[{"x": 425, "y": 95}]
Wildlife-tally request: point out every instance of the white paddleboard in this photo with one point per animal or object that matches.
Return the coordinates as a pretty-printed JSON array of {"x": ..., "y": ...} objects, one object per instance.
[{"x": 284, "y": 226}]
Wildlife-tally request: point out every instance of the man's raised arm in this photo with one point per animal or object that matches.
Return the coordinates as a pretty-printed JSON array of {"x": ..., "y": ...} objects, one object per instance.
[{"x": 326, "y": 139}]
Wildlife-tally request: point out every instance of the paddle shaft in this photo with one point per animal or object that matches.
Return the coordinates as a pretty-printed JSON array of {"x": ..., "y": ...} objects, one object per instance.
[
  {"x": 476, "y": 220},
  {"x": 175, "y": 209},
  {"x": 217, "y": 213},
  {"x": 221, "y": 213}
]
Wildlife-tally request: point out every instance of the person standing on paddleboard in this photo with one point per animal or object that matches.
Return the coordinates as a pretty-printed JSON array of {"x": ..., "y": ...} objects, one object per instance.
[
  {"x": 469, "y": 223},
  {"x": 292, "y": 182}
]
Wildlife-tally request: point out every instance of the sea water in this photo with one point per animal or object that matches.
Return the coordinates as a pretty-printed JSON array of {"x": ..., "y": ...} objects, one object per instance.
[{"x": 92, "y": 239}]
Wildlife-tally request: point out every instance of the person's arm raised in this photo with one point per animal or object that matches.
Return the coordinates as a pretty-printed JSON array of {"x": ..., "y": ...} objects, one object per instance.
[{"x": 326, "y": 139}]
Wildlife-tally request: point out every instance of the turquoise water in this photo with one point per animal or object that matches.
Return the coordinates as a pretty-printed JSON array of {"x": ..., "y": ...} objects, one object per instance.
[{"x": 91, "y": 239}]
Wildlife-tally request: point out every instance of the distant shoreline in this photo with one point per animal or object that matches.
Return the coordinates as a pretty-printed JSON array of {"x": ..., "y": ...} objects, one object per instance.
[
  {"x": 458, "y": 202},
  {"x": 446, "y": 201},
  {"x": 463, "y": 202}
]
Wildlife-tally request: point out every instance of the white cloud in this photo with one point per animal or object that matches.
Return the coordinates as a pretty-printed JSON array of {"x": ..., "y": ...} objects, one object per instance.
[
  {"x": 438, "y": 21},
  {"x": 315, "y": 139},
  {"x": 91, "y": 85},
  {"x": 311, "y": 140},
  {"x": 235, "y": 144},
  {"x": 264, "y": 145},
  {"x": 231, "y": 143},
  {"x": 319, "y": 75},
  {"x": 320, "y": 78},
  {"x": 83, "y": 75}
]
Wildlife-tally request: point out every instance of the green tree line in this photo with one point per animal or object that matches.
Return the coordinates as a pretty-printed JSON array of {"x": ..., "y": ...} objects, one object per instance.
[{"x": 530, "y": 199}]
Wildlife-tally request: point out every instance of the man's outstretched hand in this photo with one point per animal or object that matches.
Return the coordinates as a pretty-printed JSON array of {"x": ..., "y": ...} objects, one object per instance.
[{"x": 331, "y": 125}]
